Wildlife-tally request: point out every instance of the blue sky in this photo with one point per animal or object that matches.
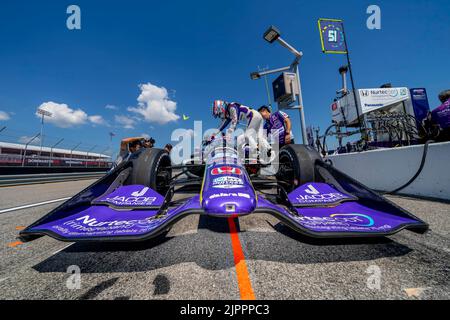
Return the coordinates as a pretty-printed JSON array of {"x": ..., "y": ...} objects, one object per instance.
[{"x": 200, "y": 51}]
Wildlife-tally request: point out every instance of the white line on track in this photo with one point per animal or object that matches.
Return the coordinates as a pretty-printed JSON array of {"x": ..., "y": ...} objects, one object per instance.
[
  {"x": 33, "y": 205},
  {"x": 63, "y": 248}
]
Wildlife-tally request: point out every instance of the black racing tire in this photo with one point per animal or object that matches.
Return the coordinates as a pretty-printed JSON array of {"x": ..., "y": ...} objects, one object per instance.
[
  {"x": 297, "y": 165},
  {"x": 151, "y": 168},
  {"x": 444, "y": 95}
]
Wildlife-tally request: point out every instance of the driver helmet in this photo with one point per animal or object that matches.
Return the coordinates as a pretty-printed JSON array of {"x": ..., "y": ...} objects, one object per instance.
[{"x": 218, "y": 108}]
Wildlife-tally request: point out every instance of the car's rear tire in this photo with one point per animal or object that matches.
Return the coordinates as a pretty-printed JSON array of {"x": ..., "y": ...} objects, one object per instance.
[
  {"x": 297, "y": 165},
  {"x": 195, "y": 171},
  {"x": 151, "y": 168}
]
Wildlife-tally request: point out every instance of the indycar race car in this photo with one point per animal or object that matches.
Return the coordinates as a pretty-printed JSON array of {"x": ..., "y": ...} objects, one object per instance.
[{"x": 143, "y": 197}]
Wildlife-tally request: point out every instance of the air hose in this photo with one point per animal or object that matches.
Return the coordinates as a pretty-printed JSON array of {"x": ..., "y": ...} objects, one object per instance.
[
  {"x": 422, "y": 164},
  {"x": 325, "y": 138}
]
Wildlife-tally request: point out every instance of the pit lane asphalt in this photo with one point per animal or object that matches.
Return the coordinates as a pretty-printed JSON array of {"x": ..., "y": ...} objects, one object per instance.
[{"x": 195, "y": 259}]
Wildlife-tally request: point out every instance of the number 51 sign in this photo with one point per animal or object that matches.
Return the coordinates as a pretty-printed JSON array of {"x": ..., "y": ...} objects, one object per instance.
[{"x": 332, "y": 36}]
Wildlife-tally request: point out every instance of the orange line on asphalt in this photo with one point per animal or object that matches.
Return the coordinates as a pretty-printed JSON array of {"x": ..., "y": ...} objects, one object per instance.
[
  {"x": 245, "y": 286},
  {"x": 15, "y": 244},
  {"x": 19, "y": 228}
]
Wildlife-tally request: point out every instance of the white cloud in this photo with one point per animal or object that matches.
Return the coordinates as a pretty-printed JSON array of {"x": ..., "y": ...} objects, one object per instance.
[
  {"x": 98, "y": 120},
  {"x": 4, "y": 116},
  {"x": 111, "y": 107},
  {"x": 126, "y": 122},
  {"x": 62, "y": 115},
  {"x": 25, "y": 139},
  {"x": 145, "y": 135},
  {"x": 154, "y": 105}
]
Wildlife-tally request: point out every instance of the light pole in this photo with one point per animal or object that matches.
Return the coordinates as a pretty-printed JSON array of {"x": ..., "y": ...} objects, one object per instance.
[
  {"x": 269, "y": 100},
  {"x": 111, "y": 135},
  {"x": 271, "y": 35},
  {"x": 71, "y": 152},
  {"x": 87, "y": 154},
  {"x": 106, "y": 149},
  {"x": 362, "y": 126},
  {"x": 51, "y": 151},
  {"x": 43, "y": 113},
  {"x": 26, "y": 146}
]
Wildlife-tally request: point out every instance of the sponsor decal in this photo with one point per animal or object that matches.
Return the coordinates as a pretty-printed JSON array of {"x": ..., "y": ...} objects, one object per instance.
[
  {"x": 139, "y": 196},
  {"x": 232, "y": 194},
  {"x": 131, "y": 201},
  {"x": 394, "y": 93},
  {"x": 140, "y": 193},
  {"x": 311, "y": 190},
  {"x": 318, "y": 194},
  {"x": 227, "y": 182},
  {"x": 369, "y": 219},
  {"x": 90, "y": 226},
  {"x": 226, "y": 170},
  {"x": 321, "y": 198},
  {"x": 92, "y": 222},
  {"x": 372, "y": 99}
]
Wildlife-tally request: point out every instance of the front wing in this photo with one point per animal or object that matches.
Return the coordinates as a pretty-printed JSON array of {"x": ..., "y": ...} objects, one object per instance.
[{"x": 342, "y": 215}]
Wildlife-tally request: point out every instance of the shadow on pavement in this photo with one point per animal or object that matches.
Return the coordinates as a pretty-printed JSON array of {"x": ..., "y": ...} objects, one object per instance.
[{"x": 96, "y": 290}]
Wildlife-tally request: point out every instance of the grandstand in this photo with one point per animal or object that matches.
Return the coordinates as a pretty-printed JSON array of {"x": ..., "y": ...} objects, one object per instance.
[{"x": 15, "y": 154}]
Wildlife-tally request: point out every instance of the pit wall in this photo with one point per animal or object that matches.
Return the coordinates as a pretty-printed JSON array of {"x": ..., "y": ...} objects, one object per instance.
[{"x": 388, "y": 169}]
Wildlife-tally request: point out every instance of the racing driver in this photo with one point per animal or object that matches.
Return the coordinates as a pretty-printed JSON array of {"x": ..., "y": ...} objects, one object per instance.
[{"x": 233, "y": 113}]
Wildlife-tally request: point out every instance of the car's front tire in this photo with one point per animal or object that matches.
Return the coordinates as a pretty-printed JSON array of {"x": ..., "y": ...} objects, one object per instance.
[
  {"x": 297, "y": 165},
  {"x": 152, "y": 168}
]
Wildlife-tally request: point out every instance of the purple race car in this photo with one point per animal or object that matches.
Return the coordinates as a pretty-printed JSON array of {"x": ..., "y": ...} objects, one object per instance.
[{"x": 142, "y": 198}]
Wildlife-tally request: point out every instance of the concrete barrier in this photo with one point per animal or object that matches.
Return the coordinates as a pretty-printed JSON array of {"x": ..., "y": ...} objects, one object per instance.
[
  {"x": 18, "y": 170},
  {"x": 388, "y": 169}
]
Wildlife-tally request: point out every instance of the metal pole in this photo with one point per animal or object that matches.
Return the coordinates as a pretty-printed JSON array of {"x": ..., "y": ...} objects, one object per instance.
[
  {"x": 264, "y": 73},
  {"x": 289, "y": 47},
  {"x": 102, "y": 153},
  {"x": 51, "y": 151},
  {"x": 269, "y": 100},
  {"x": 362, "y": 127},
  {"x": 42, "y": 138},
  {"x": 268, "y": 92},
  {"x": 87, "y": 154},
  {"x": 71, "y": 152},
  {"x": 110, "y": 143},
  {"x": 298, "y": 55},
  {"x": 3, "y": 128},
  {"x": 300, "y": 102}
]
